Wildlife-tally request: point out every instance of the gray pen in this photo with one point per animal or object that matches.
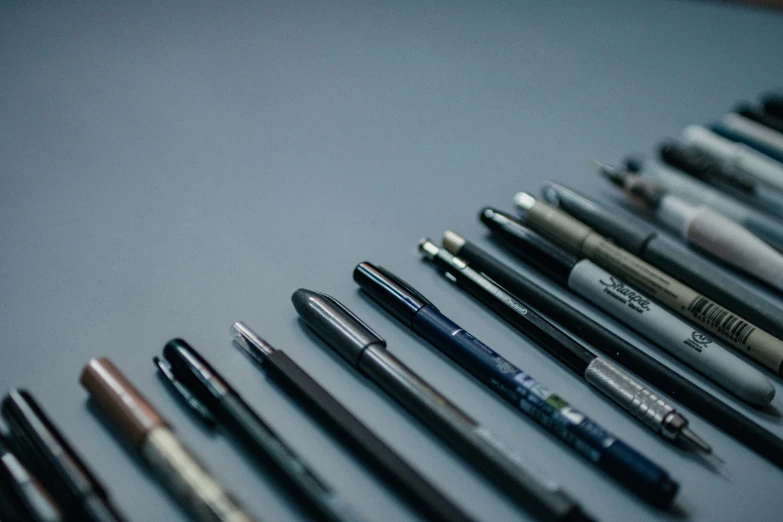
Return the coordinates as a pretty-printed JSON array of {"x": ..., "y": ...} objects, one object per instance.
[{"x": 352, "y": 339}]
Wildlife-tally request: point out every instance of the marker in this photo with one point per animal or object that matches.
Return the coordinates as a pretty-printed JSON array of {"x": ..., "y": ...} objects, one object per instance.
[
  {"x": 27, "y": 499},
  {"x": 748, "y": 206},
  {"x": 723, "y": 416},
  {"x": 364, "y": 349},
  {"x": 46, "y": 453},
  {"x": 611, "y": 380},
  {"x": 151, "y": 437},
  {"x": 670, "y": 256},
  {"x": 633, "y": 308},
  {"x": 214, "y": 400},
  {"x": 736, "y": 155},
  {"x": 753, "y": 134},
  {"x": 548, "y": 409},
  {"x": 714, "y": 233},
  {"x": 759, "y": 116},
  {"x": 350, "y": 431},
  {"x": 736, "y": 331}
]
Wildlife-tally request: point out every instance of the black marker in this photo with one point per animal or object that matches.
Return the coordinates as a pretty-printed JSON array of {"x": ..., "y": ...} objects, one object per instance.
[{"x": 358, "y": 344}]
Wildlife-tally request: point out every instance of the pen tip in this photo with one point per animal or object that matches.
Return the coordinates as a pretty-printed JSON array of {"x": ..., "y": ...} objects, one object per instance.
[{"x": 694, "y": 440}]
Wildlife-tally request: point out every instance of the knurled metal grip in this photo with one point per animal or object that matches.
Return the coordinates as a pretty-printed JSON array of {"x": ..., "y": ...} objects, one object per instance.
[{"x": 632, "y": 396}]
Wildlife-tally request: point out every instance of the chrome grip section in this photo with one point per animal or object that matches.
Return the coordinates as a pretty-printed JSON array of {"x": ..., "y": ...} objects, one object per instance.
[{"x": 641, "y": 402}]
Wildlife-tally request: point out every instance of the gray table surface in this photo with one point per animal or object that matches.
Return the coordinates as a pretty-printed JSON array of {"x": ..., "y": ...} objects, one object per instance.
[{"x": 167, "y": 170}]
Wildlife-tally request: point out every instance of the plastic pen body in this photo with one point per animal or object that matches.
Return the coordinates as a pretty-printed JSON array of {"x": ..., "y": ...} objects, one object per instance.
[
  {"x": 669, "y": 256},
  {"x": 363, "y": 348},
  {"x": 35, "y": 503},
  {"x": 758, "y": 136}
]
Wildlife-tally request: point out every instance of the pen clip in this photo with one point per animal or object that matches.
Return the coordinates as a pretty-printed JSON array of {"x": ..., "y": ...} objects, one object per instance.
[
  {"x": 193, "y": 403},
  {"x": 353, "y": 317}
]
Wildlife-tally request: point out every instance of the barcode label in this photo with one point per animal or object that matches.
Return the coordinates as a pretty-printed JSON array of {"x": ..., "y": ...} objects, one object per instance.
[{"x": 717, "y": 317}]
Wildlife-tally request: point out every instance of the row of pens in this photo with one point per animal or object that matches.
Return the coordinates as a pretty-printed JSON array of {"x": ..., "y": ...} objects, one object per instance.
[{"x": 715, "y": 188}]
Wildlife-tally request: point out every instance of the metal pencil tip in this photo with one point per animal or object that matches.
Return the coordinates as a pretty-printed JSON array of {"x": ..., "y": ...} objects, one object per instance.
[{"x": 694, "y": 440}]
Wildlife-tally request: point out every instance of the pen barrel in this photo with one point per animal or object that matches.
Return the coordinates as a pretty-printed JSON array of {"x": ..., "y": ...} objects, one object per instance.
[
  {"x": 630, "y": 394},
  {"x": 269, "y": 449},
  {"x": 187, "y": 479},
  {"x": 736, "y": 245},
  {"x": 466, "y": 437},
  {"x": 37, "y": 503},
  {"x": 361, "y": 440}
]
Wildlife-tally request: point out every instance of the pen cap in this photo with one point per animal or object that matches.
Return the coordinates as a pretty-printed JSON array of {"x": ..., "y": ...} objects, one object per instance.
[
  {"x": 702, "y": 166},
  {"x": 394, "y": 294},
  {"x": 120, "y": 400},
  {"x": 334, "y": 323},
  {"x": 554, "y": 261},
  {"x": 188, "y": 366},
  {"x": 626, "y": 233},
  {"x": 773, "y": 104}
]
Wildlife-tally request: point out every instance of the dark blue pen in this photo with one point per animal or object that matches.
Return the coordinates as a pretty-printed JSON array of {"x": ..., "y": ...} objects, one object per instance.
[{"x": 588, "y": 438}]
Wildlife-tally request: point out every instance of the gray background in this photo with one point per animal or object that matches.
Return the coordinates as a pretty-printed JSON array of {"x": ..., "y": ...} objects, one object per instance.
[{"x": 169, "y": 170}]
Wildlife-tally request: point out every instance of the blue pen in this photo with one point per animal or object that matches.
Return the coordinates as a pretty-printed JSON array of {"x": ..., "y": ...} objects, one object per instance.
[{"x": 588, "y": 438}]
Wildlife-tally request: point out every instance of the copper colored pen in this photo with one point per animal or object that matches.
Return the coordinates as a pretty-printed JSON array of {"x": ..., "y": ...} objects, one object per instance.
[{"x": 150, "y": 435}]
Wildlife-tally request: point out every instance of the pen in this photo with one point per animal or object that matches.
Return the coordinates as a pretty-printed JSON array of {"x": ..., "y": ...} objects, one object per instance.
[
  {"x": 735, "y": 155},
  {"x": 752, "y": 133},
  {"x": 696, "y": 192},
  {"x": 709, "y": 407},
  {"x": 747, "y": 207},
  {"x": 668, "y": 255},
  {"x": 151, "y": 437},
  {"x": 551, "y": 411},
  {"x": 714, "y": 233},
  {"x": 738, "y": 134},
  {"x": 25, "y": 495},
  {"x": 759, "y": 116},
  {"x": 219, "y": 404},
  {"x": 633, "y": 308},
  {"x": 350, "y": 431},
  {"x": 736, "y": 331},
  {"x": 46, "y": 453},
  {"x": 353, "y": 340},
  {"x": 704, "y": 168},
  {"x": 611, "y": 380}
]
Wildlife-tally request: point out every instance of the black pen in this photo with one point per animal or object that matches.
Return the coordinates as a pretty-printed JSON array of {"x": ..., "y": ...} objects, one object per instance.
[
  {"x": 355, "y": 436},
  {"x": 29, "y": 499},
  {"x": 350, "y": 337},
  {"x": 44, "y": 450},
  {"x": 611, "y": 380},
  {"x": 589, "y": 439},
  {"x": 723, "y": 416},
  {"x": 217, "y": 403}
]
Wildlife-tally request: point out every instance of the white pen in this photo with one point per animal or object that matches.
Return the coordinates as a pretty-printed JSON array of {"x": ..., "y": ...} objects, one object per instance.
[
  {"x": 701, "y": 226},
  {"x": 698, "y": 192},
  {"x": 753, "y": 130},
  {"x": 633, "y": 308},
  {"x": 735, "y": 155}
]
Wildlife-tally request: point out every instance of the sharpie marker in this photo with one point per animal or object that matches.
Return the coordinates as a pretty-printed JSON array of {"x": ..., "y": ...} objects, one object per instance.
[
  {"x": 736, "y": 331},
  {"x": 587, "y": 437},
  {"x": 364, "y": 349},
  {"x": 736, "y": 155},
  {"x": 714, "y": 233},
  {"x": 670, "y": 256},
  {"x": 633, "y": 308}
]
